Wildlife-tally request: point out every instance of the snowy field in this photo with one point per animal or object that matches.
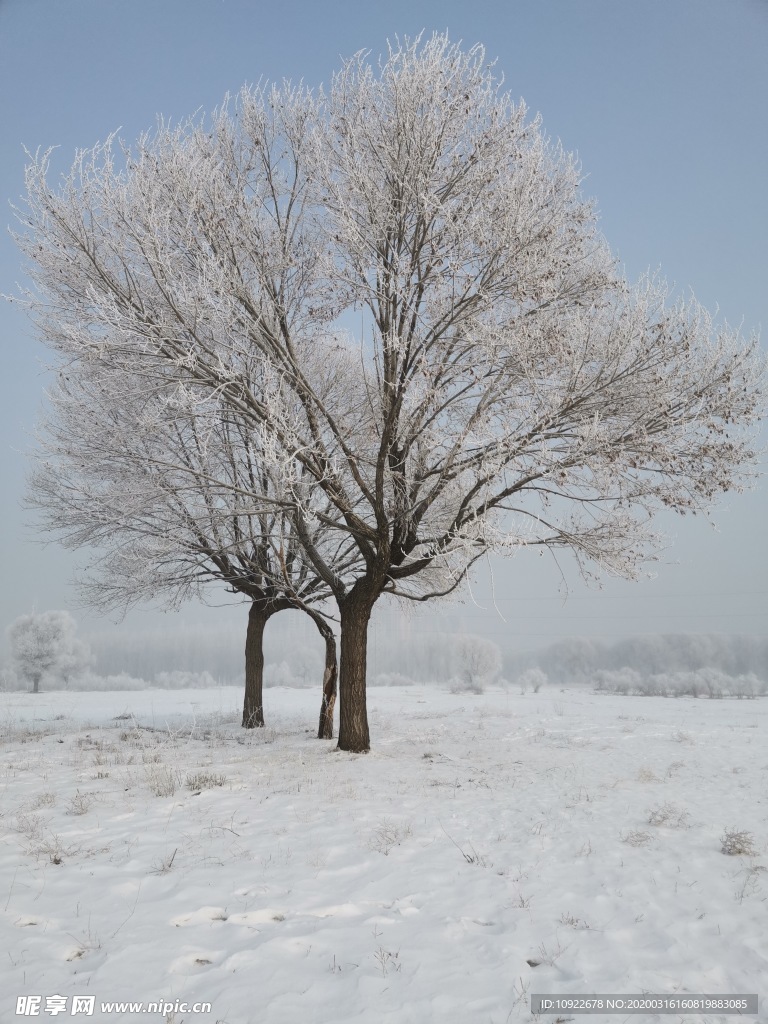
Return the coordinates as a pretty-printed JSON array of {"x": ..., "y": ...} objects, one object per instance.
[{"x": 488, "y": 848}]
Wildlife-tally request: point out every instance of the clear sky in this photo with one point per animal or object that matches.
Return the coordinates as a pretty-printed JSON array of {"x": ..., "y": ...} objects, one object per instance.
[{"x": 665, "y": 102}]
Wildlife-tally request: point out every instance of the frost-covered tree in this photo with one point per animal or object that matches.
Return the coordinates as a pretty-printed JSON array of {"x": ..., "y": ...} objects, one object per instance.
[
  {"x": 479, "y": 661},
  {"x": 159, "y": 484},
  {"x": 532, "y": 678},
  {"x": 44, "y": 644},
  {"x": 512, "y": 388}
]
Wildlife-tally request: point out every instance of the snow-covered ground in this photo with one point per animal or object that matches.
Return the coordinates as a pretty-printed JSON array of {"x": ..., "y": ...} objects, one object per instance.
[{"x": 488, "y": 848}]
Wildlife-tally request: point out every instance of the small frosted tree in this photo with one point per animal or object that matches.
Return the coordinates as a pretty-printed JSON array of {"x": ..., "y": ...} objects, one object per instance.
[
  {"x": 479, "y": 662},
  {"x": 44, "y": 645},
  {"x": 533, "y": 679}
]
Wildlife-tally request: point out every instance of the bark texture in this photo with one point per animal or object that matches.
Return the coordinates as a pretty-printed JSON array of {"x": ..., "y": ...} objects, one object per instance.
[
  {"x": 330, "y": 674},
  {"x": 260, "y": 612},
  {"x": 253, "y": 702},
  {"x": 353, "y": 716}
]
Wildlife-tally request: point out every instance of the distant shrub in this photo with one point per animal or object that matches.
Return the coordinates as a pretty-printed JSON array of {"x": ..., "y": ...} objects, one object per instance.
[
  {"x": 181, "y": 680},
  {"x": 280, "y": 674},
  {"x": 392, "y": 679},
  {"x": 704, "y": 682},
  {"x": 532, "y": 679},
  {"x": 120, "y": 681},
  {"x": 9, "y": 679}
]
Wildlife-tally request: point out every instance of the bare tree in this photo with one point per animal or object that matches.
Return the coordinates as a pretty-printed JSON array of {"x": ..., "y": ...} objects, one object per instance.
[{"x": 512, "y": 389}]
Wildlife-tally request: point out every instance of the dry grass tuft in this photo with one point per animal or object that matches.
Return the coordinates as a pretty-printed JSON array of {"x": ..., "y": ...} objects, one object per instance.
[
  {"x": 637, "y": 838},
  {"x": 205, "y": 780},
  {"x": 162, "y": 780},
  {"x": 736, "y": 843},
  {"x": 669, "y": 815},
  {"x": 388, "y": 834}
]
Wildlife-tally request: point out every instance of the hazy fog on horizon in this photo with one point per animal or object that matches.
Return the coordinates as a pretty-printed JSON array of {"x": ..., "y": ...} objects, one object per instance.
[{"x": 294, "y": 653}]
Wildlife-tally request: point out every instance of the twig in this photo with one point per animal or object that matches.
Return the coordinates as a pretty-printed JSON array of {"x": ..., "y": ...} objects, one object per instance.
[
  {"x": 10, "y": 891},
  {"x": 133, "y": 908}
]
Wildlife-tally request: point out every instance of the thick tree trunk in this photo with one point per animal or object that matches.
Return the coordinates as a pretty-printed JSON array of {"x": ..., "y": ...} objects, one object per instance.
[
  {"x": 253, "y": 706},
  {"x": 325, "y": 729},
  {"x": 353, "y": 717},
  {"x": 36, "y": 684}
]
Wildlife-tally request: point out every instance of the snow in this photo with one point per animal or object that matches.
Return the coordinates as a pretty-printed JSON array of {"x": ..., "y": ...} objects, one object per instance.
[{"x": 578, "y": 831}]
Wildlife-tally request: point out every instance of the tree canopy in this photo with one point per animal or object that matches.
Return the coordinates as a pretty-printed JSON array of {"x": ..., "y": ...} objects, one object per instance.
[{"x": 510, "y": 387}]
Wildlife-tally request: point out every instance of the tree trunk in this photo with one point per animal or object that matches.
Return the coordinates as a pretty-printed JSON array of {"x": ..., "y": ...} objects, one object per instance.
[
  {"x": 325, "y": 729},
  {"x": 36, "y": 684},
  {"x": 355, "y": 612},
  {"x": 330, "y": 674},
  {"x": 253, "y": 706}
]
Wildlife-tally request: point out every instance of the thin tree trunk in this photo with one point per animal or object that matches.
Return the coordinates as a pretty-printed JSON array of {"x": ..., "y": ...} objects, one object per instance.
[
  {"x": 253, "y": 706},
  {"x": 325, "y": 729},
  {"x": 36, "y": 684},
  {"x": 330, "y": 675},
  {"x": 355, "y": 612}
]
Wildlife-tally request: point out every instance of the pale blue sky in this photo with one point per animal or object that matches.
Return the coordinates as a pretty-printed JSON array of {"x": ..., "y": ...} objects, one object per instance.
[{"x": 664, "y": 100}]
